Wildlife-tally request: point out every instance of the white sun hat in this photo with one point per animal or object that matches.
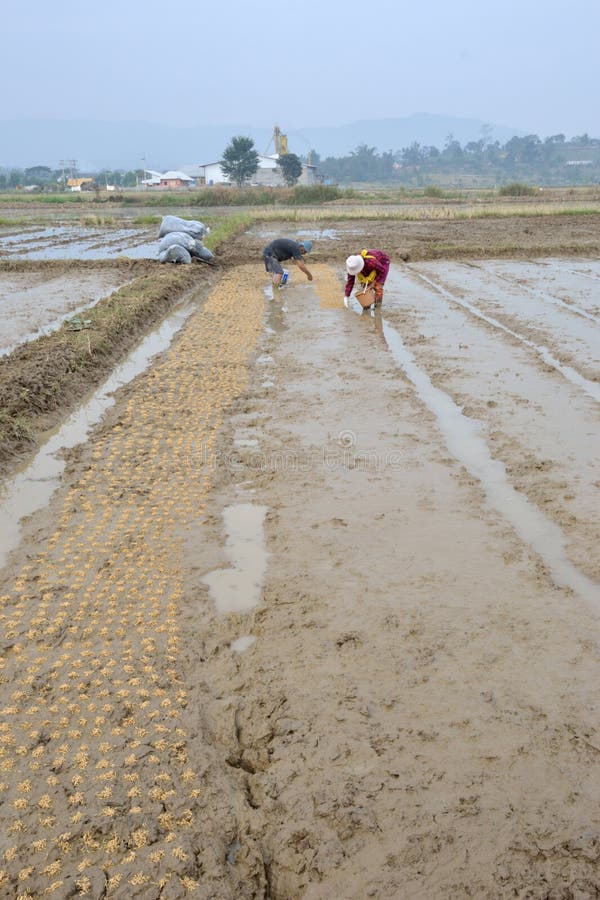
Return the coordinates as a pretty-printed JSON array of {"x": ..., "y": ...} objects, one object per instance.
[{"x": 354, "y": 264}]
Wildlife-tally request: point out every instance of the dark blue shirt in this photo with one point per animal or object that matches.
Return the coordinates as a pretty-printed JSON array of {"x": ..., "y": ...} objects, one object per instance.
[{"x": 283, "y": 248}]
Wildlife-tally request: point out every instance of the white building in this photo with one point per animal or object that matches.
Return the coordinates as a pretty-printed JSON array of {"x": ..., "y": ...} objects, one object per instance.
[
  {"x": 152, "y": 179},
  {"x": 268, "y": 173}
]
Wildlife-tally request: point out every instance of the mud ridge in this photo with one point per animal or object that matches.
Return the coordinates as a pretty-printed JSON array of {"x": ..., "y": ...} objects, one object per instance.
[{"x": 41, "y": 381}]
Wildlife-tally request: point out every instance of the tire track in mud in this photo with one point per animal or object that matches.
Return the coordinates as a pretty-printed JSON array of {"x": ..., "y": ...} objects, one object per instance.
[
  {"x": 108, "y": 780},
  {"x": 542, "y": 433},
  {"x": 544, "y": 296},
  {"x": 556, "y": 266},
  {"x": 591, "y": 388},
  {"x": 508, "y": 292},
  {"x": 469, "y": 448}
]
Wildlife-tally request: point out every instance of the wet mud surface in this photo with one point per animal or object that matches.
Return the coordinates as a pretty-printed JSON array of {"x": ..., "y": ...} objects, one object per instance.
[
  {"x": 34, "y": 303},
  {"x": 315, "y": 610},
  {"x": 77, "y": 242},
  {"x": 43, "y": 378},
  {"x": 511, "y": 236}
]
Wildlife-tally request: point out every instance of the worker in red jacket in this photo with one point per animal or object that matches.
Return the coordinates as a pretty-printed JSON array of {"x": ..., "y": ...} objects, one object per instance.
[{"x": 371, "y": 268}]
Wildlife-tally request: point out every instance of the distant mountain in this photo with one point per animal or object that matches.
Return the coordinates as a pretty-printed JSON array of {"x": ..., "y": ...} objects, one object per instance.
[
  {"x": 393, "y": 134},
  {"x": 136, "y": 145}
]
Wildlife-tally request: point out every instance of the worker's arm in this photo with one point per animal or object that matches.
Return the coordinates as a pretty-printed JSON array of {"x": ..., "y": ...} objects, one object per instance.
[{"x": 303, "y": 268}]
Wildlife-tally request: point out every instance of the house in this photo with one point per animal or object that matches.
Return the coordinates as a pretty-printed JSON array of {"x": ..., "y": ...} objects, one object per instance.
[
  {"x": 169, "y": 180},
  {"x": 153, "y": 180},
  {"x": 173, "y": 179},
  {"x": 268, "y": 173},
  {"x": 80, "y": 184}
]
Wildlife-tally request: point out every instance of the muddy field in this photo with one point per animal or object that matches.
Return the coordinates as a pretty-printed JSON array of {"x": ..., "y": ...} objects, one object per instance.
[
  {"x": 34, "y": 303},
  {"x": 67, "y": 241},
  {"x": 310, "y": 607}
]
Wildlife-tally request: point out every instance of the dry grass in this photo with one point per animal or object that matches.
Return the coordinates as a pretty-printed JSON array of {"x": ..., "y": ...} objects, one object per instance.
[{"x": 425, "y": 212}]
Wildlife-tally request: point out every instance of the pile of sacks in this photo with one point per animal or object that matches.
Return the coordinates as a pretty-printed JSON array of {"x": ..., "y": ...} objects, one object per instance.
[{"x": 181, "y": 240}]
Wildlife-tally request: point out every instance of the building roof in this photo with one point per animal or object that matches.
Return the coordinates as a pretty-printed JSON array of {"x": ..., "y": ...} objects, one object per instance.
[
  {"x": 196, "y": 170},
  {"x": 174, "y": 176}
]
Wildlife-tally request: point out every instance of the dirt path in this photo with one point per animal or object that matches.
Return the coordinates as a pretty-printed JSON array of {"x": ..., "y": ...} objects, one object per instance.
[{"x": 409, "y": 710}]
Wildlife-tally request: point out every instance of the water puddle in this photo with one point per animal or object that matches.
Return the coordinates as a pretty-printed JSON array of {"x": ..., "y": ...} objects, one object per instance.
[
  {"x": 245, "y": 437},
  {"x": 232, "y": 851},
  {"x": 238, "y": 589},
  {"x": 243, "y": 643},
  {"x": 463, "y": 440},
  {"x": 31, "y": 489},
  {"x": 590, "y": 387}
]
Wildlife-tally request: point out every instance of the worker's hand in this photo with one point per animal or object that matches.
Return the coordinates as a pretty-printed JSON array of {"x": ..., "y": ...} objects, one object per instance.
[
  {"x": 346, "y": 301},
  {"x": 309, "y": 276}
]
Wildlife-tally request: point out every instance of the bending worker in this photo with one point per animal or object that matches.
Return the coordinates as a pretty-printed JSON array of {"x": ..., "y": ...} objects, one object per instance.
[
  {"x": 371, "y": 267},
  {"x": 282, "y": 249}
]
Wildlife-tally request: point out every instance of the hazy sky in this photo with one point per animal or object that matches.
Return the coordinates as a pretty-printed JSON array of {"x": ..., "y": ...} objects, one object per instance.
[{"x": 528, "y": 64}]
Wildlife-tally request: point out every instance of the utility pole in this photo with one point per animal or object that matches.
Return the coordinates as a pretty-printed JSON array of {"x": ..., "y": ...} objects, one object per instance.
[{"x": 70, "y": 164}]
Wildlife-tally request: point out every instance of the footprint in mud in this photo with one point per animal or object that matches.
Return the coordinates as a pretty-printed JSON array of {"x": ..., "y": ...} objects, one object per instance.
[{"x": 351, "y": 638}]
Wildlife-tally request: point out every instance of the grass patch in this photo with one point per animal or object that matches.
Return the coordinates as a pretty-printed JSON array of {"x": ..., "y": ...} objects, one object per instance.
[
  {"x": 148, "y": 219},
  {"x": 436, "y": 192},
  {"x": 14, "y": 223},
  {"x": 517, "y": 189},
  {"x": 227, "y": 228},
  {"x": 320, "y": 193}
]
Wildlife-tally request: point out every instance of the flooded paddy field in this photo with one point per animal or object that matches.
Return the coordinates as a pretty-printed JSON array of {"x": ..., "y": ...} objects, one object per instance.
[
  {"x": 312, "y": 609},
  {"x": 35, "y": 302},
  {"x": 67, "y": 241}
]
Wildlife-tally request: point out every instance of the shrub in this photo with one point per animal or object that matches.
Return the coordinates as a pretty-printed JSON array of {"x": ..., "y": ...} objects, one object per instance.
[
  {"x": 315, "y": 193},
  {"x": 517, "y": 189},
  {"x": 433, "y": 191}
]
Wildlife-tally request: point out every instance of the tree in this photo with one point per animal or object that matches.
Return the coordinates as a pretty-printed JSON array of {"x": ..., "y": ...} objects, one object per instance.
[
  {"x": 240, "y": 160},
  {"x": 363, "y": 163},
  {"x": 413, "y": 155},
  {"x": 452, "y": 152},
  {"x": 37, "y": 175},
  {"x": 291, "y": 168}
]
